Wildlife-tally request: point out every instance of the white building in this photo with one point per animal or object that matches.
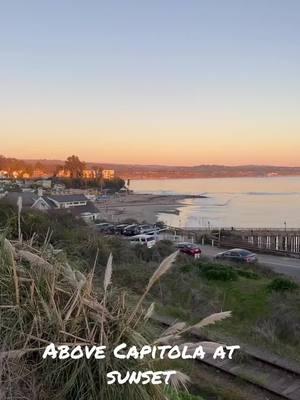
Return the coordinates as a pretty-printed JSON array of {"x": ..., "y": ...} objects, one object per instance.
[
  {"x": 108, "y": 174},
  {"x": 44, "y": 183},
  {"x": 76, "y": 204},
  {"x": 3, "y": 174}
]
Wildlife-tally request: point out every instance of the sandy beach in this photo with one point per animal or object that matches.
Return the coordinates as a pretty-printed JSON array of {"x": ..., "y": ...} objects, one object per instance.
[{"x": 140, "y": 207}]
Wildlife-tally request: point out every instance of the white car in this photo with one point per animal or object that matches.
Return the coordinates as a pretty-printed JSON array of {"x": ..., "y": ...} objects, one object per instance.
[{"x": 147, "y": 240}]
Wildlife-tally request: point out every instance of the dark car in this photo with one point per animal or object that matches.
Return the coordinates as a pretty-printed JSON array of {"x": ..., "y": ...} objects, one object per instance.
[
  {"x": 148, "y": 229},
  {"x": 109, "y": 229},
  {"x": 106, "y": 228},
  {"x": 237, "y": 255},
  {"x": 131, "y": 230},
  {"x": 102, "y": 226},
  {"x": 190, "y": 249},
  {"x": 119, "y": 229}
]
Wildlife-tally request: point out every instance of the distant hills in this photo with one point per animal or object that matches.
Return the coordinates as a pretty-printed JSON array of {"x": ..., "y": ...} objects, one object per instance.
[{"x": 137, "y": 171}]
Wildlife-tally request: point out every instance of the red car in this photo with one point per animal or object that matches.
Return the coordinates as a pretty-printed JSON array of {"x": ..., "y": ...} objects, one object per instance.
[{"x": 190, "y": 249}]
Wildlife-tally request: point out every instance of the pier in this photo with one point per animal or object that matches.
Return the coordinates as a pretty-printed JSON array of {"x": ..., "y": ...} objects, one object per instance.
[{"x": 264, "y": 240}]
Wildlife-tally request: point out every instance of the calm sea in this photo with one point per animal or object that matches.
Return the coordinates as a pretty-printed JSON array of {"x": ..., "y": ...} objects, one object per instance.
[{"x": 231, "y": 202}]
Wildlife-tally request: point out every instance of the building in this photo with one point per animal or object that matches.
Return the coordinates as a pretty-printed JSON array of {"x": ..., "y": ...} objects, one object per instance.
[
  {"x": 3, "y": 174},
  {"x": 58, "y": 188},
  {"x": 108, "y": 174},
  {"x": 89, "y": 174},
  {"x": 63, "y": 173},
  {"x": 16, "y": 174},
  {"x": 44, "y": 183},
  {"x": 76, "y": 204},
  {"x": 38, "y": 173},
  {"x": 68, "y": 200},
  {"x": 88, "y": 212}
]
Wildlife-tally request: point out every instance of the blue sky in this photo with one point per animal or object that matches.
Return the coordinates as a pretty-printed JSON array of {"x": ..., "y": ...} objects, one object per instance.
[{"x": 92, "y": 77}]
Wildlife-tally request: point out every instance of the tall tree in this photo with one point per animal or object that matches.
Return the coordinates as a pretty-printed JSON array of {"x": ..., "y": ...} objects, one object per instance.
[
  {"x": 57, "y": 169},
  {"x": 75, "y": 166},
  {"x": 3, "y": 162},
  {"x": 39, "y": 166}
]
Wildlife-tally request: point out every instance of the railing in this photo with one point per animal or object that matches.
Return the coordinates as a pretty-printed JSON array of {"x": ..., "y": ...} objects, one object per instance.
[
  {"x": 232, "y": 229},
  {"x": 265, "y": 240},
  {"x": 258, "y": 249}
]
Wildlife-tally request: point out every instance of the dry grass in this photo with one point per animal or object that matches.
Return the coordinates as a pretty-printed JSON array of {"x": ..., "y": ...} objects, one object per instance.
[{"x": 43, "y": 300}]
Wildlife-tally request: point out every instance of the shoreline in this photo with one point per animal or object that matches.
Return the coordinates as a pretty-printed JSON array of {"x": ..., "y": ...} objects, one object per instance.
[
  {"x": 156, "y": 178},
  {"x": 142, "y": 207}
]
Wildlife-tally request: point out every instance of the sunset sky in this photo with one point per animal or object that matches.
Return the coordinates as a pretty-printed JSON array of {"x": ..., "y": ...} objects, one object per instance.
[{"x": 157, "y": 82}]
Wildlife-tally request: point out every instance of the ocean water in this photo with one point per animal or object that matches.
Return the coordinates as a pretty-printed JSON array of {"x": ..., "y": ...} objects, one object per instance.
[{"x": 231, "y": 202}]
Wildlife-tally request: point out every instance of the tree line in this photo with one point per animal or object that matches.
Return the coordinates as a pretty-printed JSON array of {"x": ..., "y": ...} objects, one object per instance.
[{"x": 75, "y": 177}]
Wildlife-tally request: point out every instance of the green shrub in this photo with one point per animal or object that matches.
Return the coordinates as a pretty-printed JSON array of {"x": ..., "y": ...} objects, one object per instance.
[
  {"x": 218, "y": 272},
  {"x": 221, "y": 274},
  {"x": 172, "y": 395},
  {"x": 187, "y": 268},
  {"x": 157, "y": 253},
  {"x": 212, "y": 271},
  {"x": 248, "y": 274},
  {"x": 282, "y": 285},
  {"x": 79, "y": 241}
]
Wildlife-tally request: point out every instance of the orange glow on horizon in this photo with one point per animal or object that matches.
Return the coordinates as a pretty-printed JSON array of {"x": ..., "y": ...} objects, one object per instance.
[{"x": 145, "y": 142}]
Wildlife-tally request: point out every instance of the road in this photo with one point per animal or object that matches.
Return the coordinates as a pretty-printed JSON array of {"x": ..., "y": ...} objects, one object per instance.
[{"x": 282, "y": 265}]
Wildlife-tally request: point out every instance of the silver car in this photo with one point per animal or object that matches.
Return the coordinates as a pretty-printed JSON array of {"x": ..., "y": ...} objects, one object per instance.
[{"x": 237, "y": 255}]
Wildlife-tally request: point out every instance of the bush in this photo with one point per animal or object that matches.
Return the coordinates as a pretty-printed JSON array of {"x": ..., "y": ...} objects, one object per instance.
[
  {"x": 79, "y": 241},
  {"x": 57, "y": 304},
  {"x": 212, "y": 271},
  {"x": 218, "y": 272},
  {"x": 282, "y": 285},
  {"x": 172, "y": 395},
  {"x": 8, "y": 217},
  {"x": 187, "y": 268},
  {"x": 248, "y": 274},
  {"x": 158, "y": 252},
  {"x": 285, "y": 316},
  {"x": 221, "y": 275},
  {"x": 165, "y": 247},
  {"x": 282, "y": 325}
]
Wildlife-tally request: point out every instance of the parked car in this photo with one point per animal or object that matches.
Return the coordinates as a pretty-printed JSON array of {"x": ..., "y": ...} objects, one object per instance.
[
  {"x": 119, "y": 229},
  {"x": 109, "y": 229},
  {"x": 106, "y": 227},
  {"x": 131, "y": 230},
  {"x": 147, "y": 229},
  {"x": 190, "y": 249},
  {"x": 102, "y": 226},
  {"x": 181, "y": 245},
  {"x": 237, "y": 255},
  {"x": 147, "y": 240}
]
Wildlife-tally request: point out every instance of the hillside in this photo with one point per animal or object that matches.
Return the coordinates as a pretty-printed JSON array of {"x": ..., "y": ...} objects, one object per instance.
[{"x": 138, "y": 171}]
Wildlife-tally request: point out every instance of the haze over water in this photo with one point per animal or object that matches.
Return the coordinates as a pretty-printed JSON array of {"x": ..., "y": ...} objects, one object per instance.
[{"x": 231, "y": 202}]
